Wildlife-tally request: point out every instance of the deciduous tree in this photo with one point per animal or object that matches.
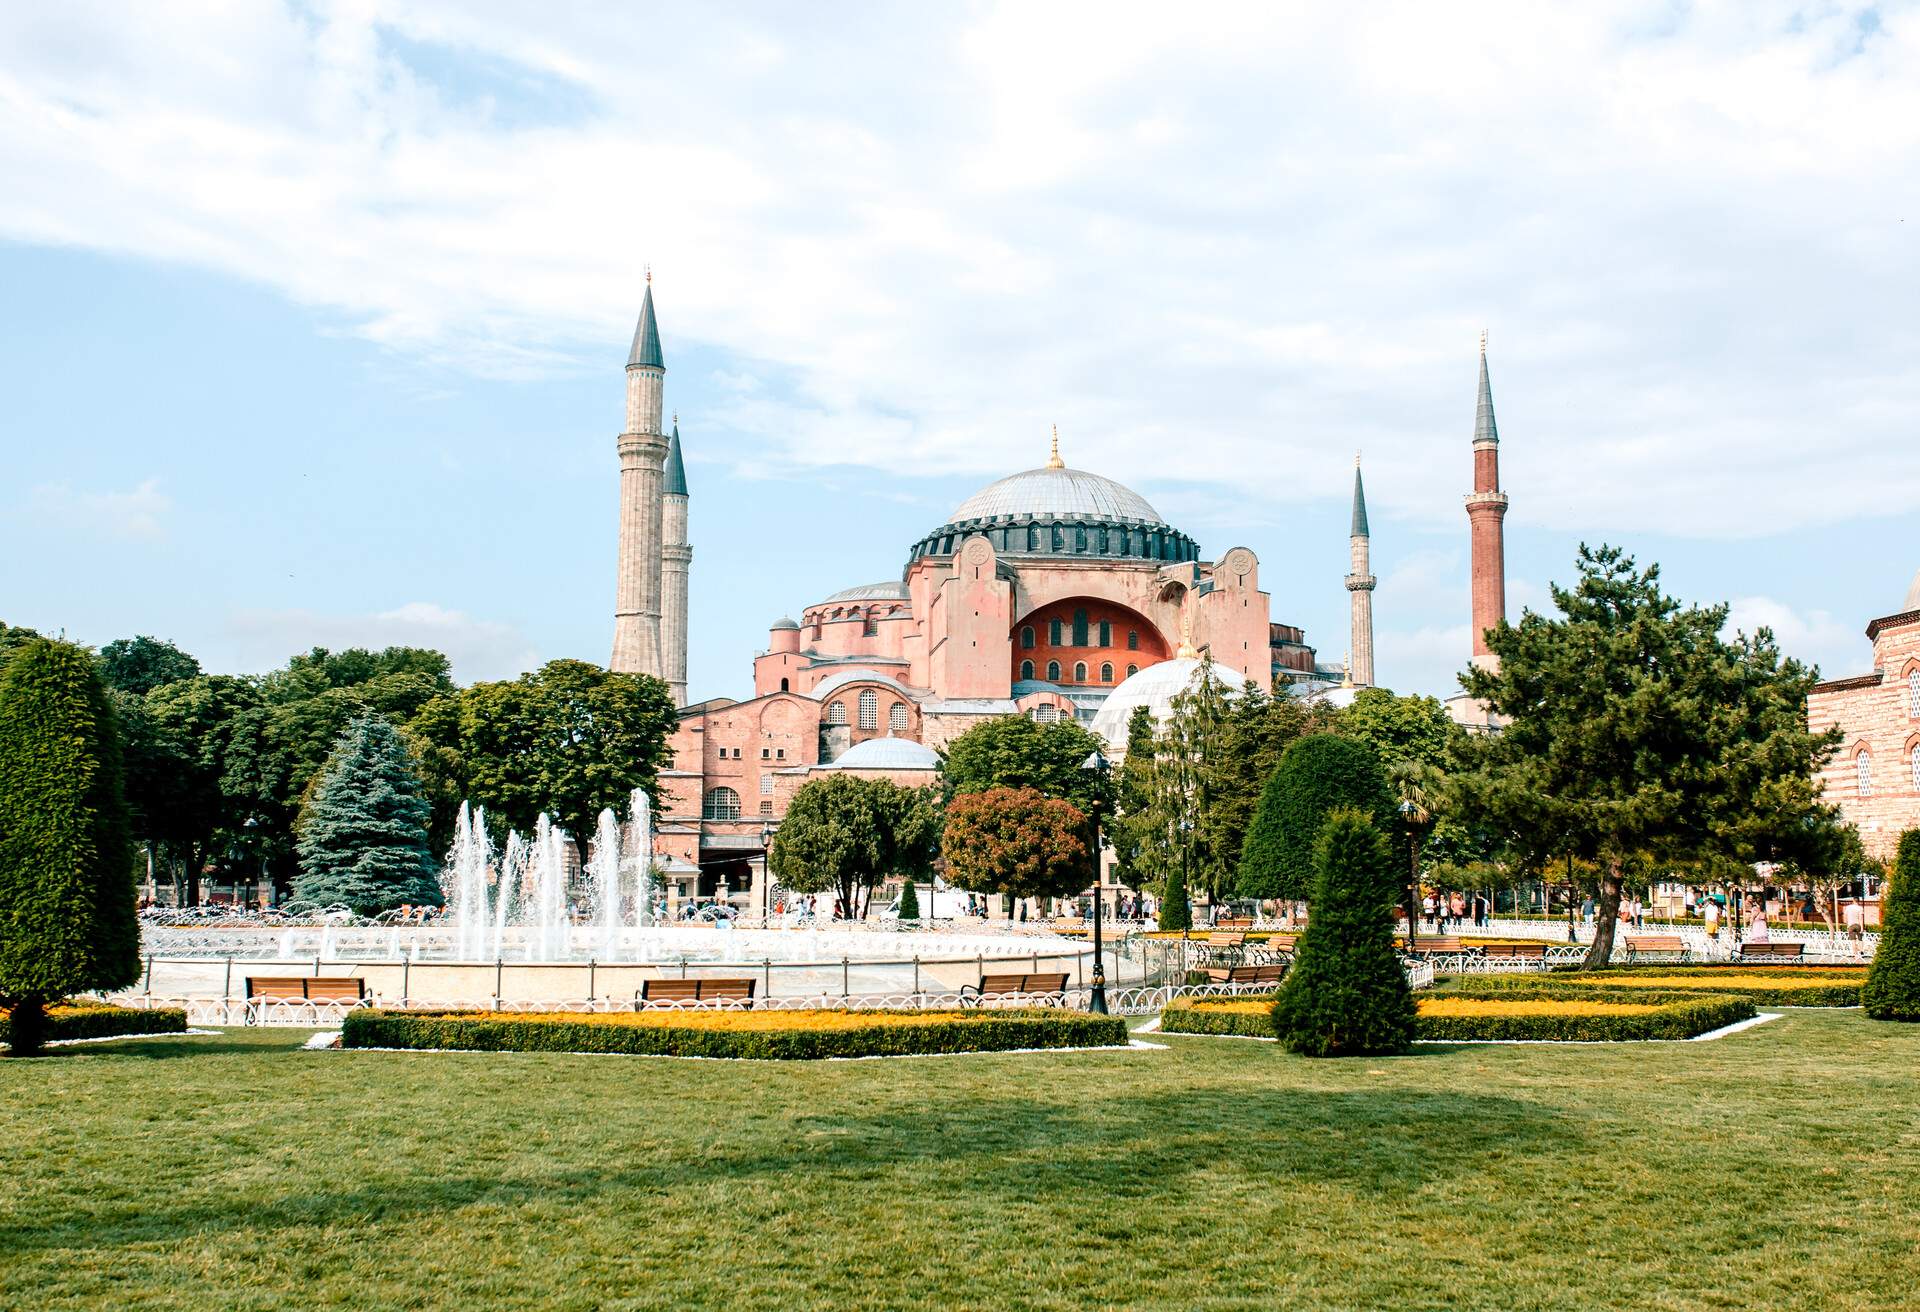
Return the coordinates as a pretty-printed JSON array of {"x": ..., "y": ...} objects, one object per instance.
[
  {"x": 1318, "y": 775},
  {"x": 1018, "y": 842},
  {"x": 847, "y": 835},
  {"x": 140, "y": 664}
]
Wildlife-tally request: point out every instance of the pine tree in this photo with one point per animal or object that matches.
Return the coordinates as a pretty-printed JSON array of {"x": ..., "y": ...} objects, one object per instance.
[
  {"x": 1347, "y": 994},
  {"x": 1176, "y": 912},
  {"x": 909, "y": 902},
  {"x": 67, "y": 919},
  {"x": 1892, "y": 990},
  {"x": 1317, "y": 774},
  {"x": 363, "y": 842}
]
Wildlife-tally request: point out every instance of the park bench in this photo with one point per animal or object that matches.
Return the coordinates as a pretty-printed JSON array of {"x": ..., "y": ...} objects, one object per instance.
[
  {"x": 696, "y": 989},
  {"x": 1233, "y": 922},
  {"x": 264, "y": 990},
  {"x": 1272, "y": 974},
  {"x": 1437, "y": 945},
  {"x": 1772, "y": 951},
  {"x": 1016, "y": 985},
  {"x": 1663, "y": 947},
  {"x": 1069, "y": 924},
  {"x": 1227, "y": 945},
  {"x": 1513, "y": 951},
  {"x": 1278, "y": 948}
]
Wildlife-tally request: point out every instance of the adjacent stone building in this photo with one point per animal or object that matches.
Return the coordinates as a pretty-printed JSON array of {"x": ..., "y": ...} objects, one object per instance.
[{"x": 1875, "y": 777}]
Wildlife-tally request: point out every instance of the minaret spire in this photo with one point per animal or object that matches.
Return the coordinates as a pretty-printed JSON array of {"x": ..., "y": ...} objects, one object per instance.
[
  {"x": 1360, "y": 584},
  {"x": 1486, "y": 511},
  {"x": 643, "y": 451},
  {"x": 676, "y": 561}
]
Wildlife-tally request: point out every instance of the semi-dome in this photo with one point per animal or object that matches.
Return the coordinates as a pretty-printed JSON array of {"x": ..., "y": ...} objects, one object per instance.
[
  {"x": 1154, "y": 688},
  {"x": 1056, "y": 493},
  {"x": 887, "y": 753}
]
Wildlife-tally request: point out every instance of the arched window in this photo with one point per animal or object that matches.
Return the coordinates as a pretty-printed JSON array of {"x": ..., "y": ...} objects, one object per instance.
[
  {"x": 1106, "y": 633},
  {"x": 897, "y": 717},
  {"x": 1056, "y": 632},
  {"x": 1046, "y": 713},
  {"x": 783, "y": 686},
  {"x": 873, "y": 626},
  {"x": 1916, "y": 767},
  {"x": 1080, "y": 627},
  {"x": 1059, "y": 538},
  {"x": 1079, "y": 671},
  {"x": 1863, "y": 772},
  {"x": 1132, "y": 670},
  {"x": 1133, "y": 640},
  {"x": 836, "y": 712},
  {"x": 1033, "y": 537},
  {"x": 1026, "y": 637},
  {"x": 1106, "y": 673},
  {"x": 1079, "y": 539},
  {"x": 1053, "y": 671},
  {"x": 1026, "y": 669},
  {"x": 1913, "y": 695},
  {"x": 721, "y": 804},
  {"x": 869, "y": 709}
]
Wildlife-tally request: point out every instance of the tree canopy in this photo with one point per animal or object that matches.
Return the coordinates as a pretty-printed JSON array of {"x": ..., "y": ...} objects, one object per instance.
[
  {"x": 846, "y": 835},
  {"x": 1017, "y": 841},
  {"x": 1319, "y": 774},
  {"x": 1012, "y": 751},
  {"x": 140, "y": 664},
  {"x": 363, "y": 841},
  {"x": 1632, "y": 726},
  {"x": 67, "y": 919}
]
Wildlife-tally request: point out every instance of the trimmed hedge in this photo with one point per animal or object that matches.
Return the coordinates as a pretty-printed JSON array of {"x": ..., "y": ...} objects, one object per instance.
[
  {"x": 84, "y": 1020},
  {"x": 1737, "y": 981},
  {"x": 734, "y": 1034},
  {"x": 1220, "y": 1016},
  {"x": 1675, "y": 1017}
]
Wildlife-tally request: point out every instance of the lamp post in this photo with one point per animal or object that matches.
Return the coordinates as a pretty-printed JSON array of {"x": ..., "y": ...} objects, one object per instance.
[
  {"x": 766, "y": 873},
  {"x": 1413, "y": 876},
  {"x": 1097, "y": 1000}
]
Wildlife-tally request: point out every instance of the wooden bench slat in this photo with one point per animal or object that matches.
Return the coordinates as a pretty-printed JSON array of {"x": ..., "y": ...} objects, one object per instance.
[{"x": 694, "y": 989}]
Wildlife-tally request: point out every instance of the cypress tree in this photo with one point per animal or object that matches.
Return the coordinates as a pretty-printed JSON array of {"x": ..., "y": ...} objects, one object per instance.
[
  {"x": 1176, "y": 912},
  {"x": 1347, "y": 994},
  {"x": 1892, "y": 990},
  {"x": 909, "y": 902},
  {"x": 364, "y": 840},
  {"x": 67, "y": 917},
  {"x": 1316, "y": 775}
]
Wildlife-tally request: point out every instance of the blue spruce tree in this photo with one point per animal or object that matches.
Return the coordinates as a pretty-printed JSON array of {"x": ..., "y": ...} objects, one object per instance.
[{"x": 363, "y": 843}]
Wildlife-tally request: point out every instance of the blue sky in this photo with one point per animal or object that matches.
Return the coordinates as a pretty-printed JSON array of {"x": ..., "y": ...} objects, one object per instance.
[{"x": 312, "y": 318}]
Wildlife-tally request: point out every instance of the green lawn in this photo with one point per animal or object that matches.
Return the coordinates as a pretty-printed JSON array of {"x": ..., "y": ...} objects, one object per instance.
[{"x": 1776, "y": 1168}]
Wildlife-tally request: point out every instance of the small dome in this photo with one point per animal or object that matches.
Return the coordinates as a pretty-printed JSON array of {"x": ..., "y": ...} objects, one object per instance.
[
  {"x": 1154, "y": 688},
  {"x": 888, "y": 753},
  {"x": 785, "y": 622},
  {"x": 1056, "y": 493},
  {"x": 1913, "y": 593}
]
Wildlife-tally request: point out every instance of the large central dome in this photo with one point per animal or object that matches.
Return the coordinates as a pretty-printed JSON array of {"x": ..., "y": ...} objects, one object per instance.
[{"x": 1052, "y": 493}]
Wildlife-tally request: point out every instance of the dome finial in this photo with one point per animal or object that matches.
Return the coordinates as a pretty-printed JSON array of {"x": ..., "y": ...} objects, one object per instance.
[
  {"x": 649, "y": 269},
  {"x": 1054, "y": 461}
]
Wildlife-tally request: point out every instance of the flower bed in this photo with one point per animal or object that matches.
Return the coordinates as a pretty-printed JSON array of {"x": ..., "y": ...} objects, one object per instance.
[
  {"x": 769, "y": 1035},
  {"x": 97, "y": 1020},
  {"x": 1789, "y": 986},
  {"x": 1250, "y": 1016},
  {"x": 1512, "y": 1011}
]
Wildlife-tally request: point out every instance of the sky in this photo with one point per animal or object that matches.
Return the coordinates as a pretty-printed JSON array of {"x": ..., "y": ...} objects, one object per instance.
[{"x": 312, "y": 316}]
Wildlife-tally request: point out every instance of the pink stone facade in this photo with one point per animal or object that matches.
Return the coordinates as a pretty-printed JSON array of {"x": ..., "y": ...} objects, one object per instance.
[{"x": 1875, "y": 776}]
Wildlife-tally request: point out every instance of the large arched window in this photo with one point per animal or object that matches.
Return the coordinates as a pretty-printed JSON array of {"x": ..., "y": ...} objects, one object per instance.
[
  {"x": 836, "y": 712},
  {"x": 721, "y": 804},
  {"x": 1026, "y": 669},
  {"x": 1106, "y": 673},
  {"x": 1080, "y": 627},
  {"x": 1863, "y": 772},
  {"x": 869, "y": 709},
  {"x": 897, "y": 717},
  {"x": 1026, "y": 637},
  {"x": 1079, "y": 671},
  {"x": 1053, "y": 671}
]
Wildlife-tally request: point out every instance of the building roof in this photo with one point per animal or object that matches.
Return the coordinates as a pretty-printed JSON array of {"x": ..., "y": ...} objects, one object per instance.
[
  {"x": 1359, "y": 502},
  {"x": 646, "y": 336},
  {"x": 1154, "y": 688},
  {"x": 893, "y": 590},
  {"x": 785, "y": 622},
  {"x": 1484, "y": 429},
  {"x": 887, "y": 753},
  {"x": 1905, "y": 617},
  {"x": 675, "y": 473},
  {"x": 834, "y": 682},
  {"x": 1054, "y": 494},
  {"x": 971, "y": 706}
]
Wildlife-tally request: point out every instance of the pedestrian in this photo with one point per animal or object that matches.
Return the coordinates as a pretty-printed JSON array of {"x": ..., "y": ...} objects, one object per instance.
[
  {"x": 1757, "y": 927},
  {"x": 1855, "y": 916}
]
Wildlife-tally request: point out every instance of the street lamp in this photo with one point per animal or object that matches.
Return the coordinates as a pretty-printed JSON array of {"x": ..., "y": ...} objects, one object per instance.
[
  {"x": 1413, "y": 875},
  {"x": 766, "y": 872},
  {"x": 1097, "y": 1001}
]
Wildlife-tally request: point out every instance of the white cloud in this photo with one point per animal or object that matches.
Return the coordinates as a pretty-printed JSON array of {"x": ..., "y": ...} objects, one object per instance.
[
  {"x": 478, "y": 649},
  {"x": 1816, "y": 637},
  {"x": 138, "y": 514},
  {"x": 1226, "y": 250}
]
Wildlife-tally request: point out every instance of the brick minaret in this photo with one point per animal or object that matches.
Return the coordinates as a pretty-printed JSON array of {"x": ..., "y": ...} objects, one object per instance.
[
  {"x": 1360, "y": 590},
  {"x": 1486, "y": 509},
  {"x": 643, "y": 449},
  {"x": 676, "y": 556}
]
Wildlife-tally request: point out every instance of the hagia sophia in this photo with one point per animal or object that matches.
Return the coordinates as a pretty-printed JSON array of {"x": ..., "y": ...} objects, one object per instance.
[{"x": 1054, "y": 593}]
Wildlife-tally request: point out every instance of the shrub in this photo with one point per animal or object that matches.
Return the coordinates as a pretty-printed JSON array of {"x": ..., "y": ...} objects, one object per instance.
[
  {"x": 1892, "y": 990},
  {"x": 909, "y": 902},
  {"x": 1347, "y": 994},
  {"x": 67, "y": 921},
  {"x": 766, "y": 1035},
  {"x": 1176, "y": 912},
  {"x": 93, "y": 1020},
  {"x": 1316, "y": 775},
  {"x": 1250, "y": 1016},
  {"x": 1518, "y": 1014}
]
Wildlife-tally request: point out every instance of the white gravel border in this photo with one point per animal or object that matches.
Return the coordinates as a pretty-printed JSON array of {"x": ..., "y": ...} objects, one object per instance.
[
  {"x": 115, "y": 1038},
  {"x": 1720, "y": 1033}
]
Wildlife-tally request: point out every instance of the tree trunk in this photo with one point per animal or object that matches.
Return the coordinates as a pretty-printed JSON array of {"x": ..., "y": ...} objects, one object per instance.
[
  {"x": 27, "y": 1025},
  {"x": 1606, "y": 914},
  {"x": 194, "y": 861},
  {"x": 1413, "y": 890}
]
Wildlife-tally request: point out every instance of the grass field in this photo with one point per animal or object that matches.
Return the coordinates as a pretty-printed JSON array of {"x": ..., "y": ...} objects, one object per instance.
[{"x": 1779, "y": 1167}]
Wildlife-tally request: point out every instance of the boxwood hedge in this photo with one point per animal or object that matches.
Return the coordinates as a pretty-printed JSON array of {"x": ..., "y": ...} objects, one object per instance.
[
  {"x": 1190, "y": 1016},
  {"x": 685, "y": 1036},
  {"x": 1677, "y": 1017},
  {"x": 92, "y": 1020}
]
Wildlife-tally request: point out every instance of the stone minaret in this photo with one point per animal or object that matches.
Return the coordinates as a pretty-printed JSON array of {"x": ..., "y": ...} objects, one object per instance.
[
  {"x": 643, "y": 449},
  {"x": 676, "y": 555},
  {"x": 1486, "y": 509},
  {"x": 1360, "y": 590}
]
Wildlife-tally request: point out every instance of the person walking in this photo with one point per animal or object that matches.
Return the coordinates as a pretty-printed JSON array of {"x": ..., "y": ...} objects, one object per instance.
[{"x": 1854, "y": 914}]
